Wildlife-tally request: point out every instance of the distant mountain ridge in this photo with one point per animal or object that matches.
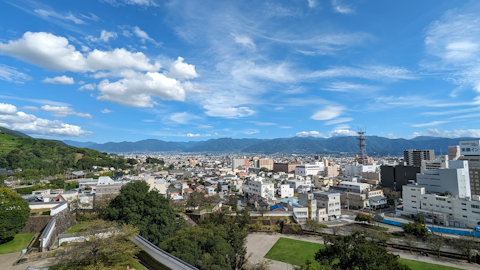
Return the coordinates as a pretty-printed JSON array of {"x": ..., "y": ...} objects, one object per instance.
[{"x": 305, "y": 145}]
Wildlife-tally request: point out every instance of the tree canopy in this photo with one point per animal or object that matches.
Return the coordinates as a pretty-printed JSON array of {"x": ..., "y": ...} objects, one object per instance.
[
  {"x": 14, "y": 213},
  {"x": 149, "y": 211},
  {"x": 356, "y": 252}
]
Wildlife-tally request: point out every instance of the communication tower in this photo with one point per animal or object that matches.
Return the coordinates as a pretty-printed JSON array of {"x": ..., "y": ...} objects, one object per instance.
[{"x": 362, "y": 146}]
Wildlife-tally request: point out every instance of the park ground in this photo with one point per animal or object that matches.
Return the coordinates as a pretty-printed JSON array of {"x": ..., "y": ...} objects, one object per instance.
[{"x": 284, "y": 250}]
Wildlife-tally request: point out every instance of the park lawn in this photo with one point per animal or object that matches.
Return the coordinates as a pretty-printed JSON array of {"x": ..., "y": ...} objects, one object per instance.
[
  {"x": 19, "y": 242},
  {"x": 416, "y": 265},
  {"x": 294, "y": 252},
  {"x": 75, "y": 228}
]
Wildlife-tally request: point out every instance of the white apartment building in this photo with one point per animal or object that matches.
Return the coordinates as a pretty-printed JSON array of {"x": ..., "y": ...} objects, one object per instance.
[
  {"x": 329, "y": 201},
  {"x": 445, "y": 210},
  {"x": 300, "y": 212},
  {"x": 440, "y": 163},
  {"x": 237, "y": 162},
  {"x": 308, "y": 200},
  {"x": 455, "y": 179},
  {"x": 355, "y": 186},
  {"x": 286, "y": 191},
  {"x": 313, "y": 168},
  {"x": 262, "y": 188},
  {"x": 357, "y": 170},
  {"x": 105, "y": 180}
]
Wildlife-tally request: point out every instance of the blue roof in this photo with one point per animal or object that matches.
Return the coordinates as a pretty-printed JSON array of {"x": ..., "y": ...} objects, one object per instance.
[
  {"x": 289, "y": 200},
  {"x": 277, "y": 206}
]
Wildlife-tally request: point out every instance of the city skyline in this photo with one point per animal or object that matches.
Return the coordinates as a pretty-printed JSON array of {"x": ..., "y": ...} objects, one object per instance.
[{"x": 127, "y": 70}]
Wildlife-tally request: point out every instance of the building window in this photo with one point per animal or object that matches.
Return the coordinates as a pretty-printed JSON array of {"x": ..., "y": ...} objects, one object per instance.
[
  {"x": 475, "y": 206},
  {"x": 464, "y": 204},
  {"x": 413, "y": 196},
  {"x": 464, "y": 216},
  {"x": 414, "y": 201},
  {"x": 463, "y": 209}
]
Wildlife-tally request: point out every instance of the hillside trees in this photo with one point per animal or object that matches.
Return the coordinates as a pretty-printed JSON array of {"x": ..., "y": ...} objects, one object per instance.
[{"x": 14, "y": 213}]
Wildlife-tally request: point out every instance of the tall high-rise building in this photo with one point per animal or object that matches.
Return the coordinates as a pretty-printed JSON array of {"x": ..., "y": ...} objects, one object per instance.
[
  {"x": 238, "y": 162},
  {"x": 265, "y": 162},
  {"x": 414, "y": 157},
  {"x": 469, "y": 150}
]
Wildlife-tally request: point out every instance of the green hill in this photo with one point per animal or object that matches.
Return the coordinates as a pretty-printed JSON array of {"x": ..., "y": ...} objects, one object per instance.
[
  {"x": 13, "y": 133},
  {"x": 39, "y": 157}
]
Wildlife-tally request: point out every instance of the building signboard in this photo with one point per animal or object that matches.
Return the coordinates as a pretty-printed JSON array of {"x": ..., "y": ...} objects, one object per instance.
[{"x": 470, "y": 147}]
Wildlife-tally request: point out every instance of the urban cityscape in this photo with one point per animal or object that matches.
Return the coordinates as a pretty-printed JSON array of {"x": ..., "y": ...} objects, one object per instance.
[{"x": 242, "y": 135}]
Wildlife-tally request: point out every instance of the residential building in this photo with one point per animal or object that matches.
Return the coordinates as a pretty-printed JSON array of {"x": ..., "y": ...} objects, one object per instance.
[
  {"x": 308, "y": 200},
  {"x": 414, "y": 157},
  {"x": 314, "y": 168},
  {"x": 300, "y": 212},
  {"x": 331, "y": 170},
  {"x": 262, "y": 188},
  {"x": 105, "y": 180},
  {"x": 158, "y": 183},
  {"x": 286, "y": 191},
  {"x": 355, "y": 186},
  {"x": 210, "y": 190},
  {"x": 295, "y": 183},
  {"x": 440, "y": 163},
  {"x": 238, "y": 163},
  {"x": 455, "y": 179},
  {"x": 322, "y": 214},
  {"x": 330, "y": 201},
  {"x": 265, "y": 163},
  {"x": 444, "y": 210},
  {"x": 454, "y": 152},
  {"x": 99, "y": 190}
]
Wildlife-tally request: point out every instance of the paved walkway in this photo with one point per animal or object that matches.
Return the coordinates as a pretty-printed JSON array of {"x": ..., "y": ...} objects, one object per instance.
[
  {"x": 258, "y": 246},
  {"x": 7, "y": 261}
]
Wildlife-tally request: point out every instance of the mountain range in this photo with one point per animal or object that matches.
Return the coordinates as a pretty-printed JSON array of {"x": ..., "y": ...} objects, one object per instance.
[{"x": 300, "y": 145}]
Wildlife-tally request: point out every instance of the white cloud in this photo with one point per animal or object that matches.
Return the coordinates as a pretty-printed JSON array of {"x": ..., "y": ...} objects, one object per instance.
[
  {"x": 54, "y": 52},
  {"x": 329, "y": 112},
  {"x": 106, "y": 111},
  {"x": 183, "y": 118},
  {"x": 251, "y": 131},
  {"x": 61, "y": 111},
  {"x": 312, "y": 133},
  {"x": 30, "y": 124},
  {"x": 342, "y": 132},
  {"x": 284, "y": 127},
  {"x": 11, "y": 74},
  {"x": 190, "y": 135},
  {"x": 245, "y": 41},
  {"x": 208, "y": 135},
  {"x": 195, "y": 88},
  {"x": 278, "y": 108},
  {"x": 348, "y": 87},
  {"x": 448, "y": 133},
  {"x": 430, "y": 124},
  {"x": 377, "y": 72},
  {"x": 88, "y": 86},
  {"x": 59, "y": 80},
  {"x": 338, "y": 7},
  {"x": 228, "y": 112},
  {"x": 7, "y": 108},
  {"x": 31, "y": 108},
  {"x": 312, "y": 3},
  {"x": 181, "y": 70},
  {"x": 50, "y": 13},
  {"x": 131, "y": 2},
  {"x": 143, "y": 35},
  {"x": 137, "y": 90},
  {"x": 338, "y": 121},
  {"x": 105, "y": 36},
  {"x": 263, "y": 123}
]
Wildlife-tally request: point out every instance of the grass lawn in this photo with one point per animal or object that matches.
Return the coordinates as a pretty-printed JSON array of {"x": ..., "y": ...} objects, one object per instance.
[
  {"x": 19, "y": 242},
  {"x": 416, "y": 265},
  {"x": 294, "y": 252},
  {"x": 75, "y": 228}
]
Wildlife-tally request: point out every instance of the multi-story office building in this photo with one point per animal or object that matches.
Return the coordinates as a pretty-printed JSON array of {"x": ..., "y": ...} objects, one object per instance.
[
  {"x": 357, "y": 170},
  {"x": 285, "y": 167},
  {"x": 454, "y": 180},
  {"x": 440, "y": 163},
  {"x": 469, "y": 150},
  {"x": 265, "y": 163},
  {"x": 314, "y": 168},
  {"x": 239, "y": 163},
  {"x": 355, "y": 186},
  {"x": 331, "y": 170},
  {"x": 394, "y": 177},
  {"x": 444, "y": 210},
  {"x": 414, "y": 157},
  {"x": 262, "y": 188}
]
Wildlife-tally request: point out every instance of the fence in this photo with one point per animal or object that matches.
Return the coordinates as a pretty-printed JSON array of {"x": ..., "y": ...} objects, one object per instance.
[
  {"x": 438, "y": 229},
  {"x": 47, "y": 234}
]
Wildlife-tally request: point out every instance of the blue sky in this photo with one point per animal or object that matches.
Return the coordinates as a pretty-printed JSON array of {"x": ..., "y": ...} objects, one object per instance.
[{"x": 126, "y": 70}]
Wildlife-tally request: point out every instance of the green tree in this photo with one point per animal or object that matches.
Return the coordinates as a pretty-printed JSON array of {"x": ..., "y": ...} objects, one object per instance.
[
  {"x": 314, "y": 225},
  {"x": 264, "y": 169},
  {"x": 466, "y": 245},
  {"x": 364, "y": 218},
  {"x": 203, "y": 247},
  {"x": 417, "y": 229},
  {"x": 419, "y": 218},
  {"x": 196, "y": 199},
  {"x": 410, "y": 241},
  {"x": 356, "y": 252},
  {"x": 14, "y": 213},
  {"x": 149, "y": 211},
  {"x": 171, "y": 167},
  {"x": 435, "y": 243},
  {"x": 3, "y": 177},
  {"x": 103, "y": 244}
]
